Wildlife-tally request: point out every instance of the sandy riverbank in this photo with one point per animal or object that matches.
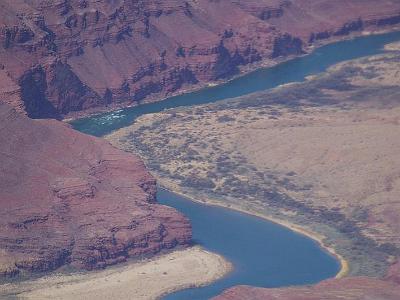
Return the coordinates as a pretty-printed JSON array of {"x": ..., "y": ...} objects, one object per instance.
[
  {"x": 393, "y": 47},
  {"x": 344, "y": 264},
  {"x": 323, "y": 165},
  {"x": 145, "y": 280},
  {"x": 170, "y": 185}
]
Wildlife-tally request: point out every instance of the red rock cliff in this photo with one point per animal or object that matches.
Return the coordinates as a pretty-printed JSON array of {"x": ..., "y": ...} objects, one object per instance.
[
  {"x": 70, "y": 55},
  {"x": 356, "y": 288},
  {"x": 68, "y": 198}
]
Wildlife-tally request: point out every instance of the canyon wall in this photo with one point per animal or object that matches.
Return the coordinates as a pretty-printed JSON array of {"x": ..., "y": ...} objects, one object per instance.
[
  {"x": 350, "y": 288},
  {"x": 58, "y": 57},
  {"x": 68, "y": 198},
  {"x": 355, "y": 288}
]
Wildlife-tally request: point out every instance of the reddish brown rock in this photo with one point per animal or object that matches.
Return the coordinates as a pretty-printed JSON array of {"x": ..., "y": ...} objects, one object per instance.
[
  {"x": 71, "y": 55},
  {"x": 68, "y": 198},
  {"x": 357, "y": 288},
  {"x": 394, "y": 273}
]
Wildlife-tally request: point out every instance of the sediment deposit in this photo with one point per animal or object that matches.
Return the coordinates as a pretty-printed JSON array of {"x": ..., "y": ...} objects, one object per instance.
[
  {"x": 320, "y": 154},
  {"x": 145, "y": 280}
]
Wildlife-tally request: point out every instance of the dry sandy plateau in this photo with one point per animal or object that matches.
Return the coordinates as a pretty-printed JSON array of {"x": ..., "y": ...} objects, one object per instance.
[
  {"x": 140, "y": 281},
  {"x": 322, "y": 155}
]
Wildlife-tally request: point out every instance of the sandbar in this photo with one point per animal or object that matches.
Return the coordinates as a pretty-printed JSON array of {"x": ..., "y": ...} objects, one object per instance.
[{"x": 144, "y": 280}]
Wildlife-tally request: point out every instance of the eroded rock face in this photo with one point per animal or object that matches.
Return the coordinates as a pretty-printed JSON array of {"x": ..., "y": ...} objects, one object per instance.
[
  {"x": 68, "y": 198},
  {"x": 350, "y": 288},
  {"x": 91, "y": 54}
]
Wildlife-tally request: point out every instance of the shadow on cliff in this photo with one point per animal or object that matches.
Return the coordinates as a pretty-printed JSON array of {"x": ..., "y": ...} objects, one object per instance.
[{"x": 33, "y": 92}]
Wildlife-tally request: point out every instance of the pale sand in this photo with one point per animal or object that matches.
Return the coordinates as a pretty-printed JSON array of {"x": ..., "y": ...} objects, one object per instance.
[
  {"x": 393, "y": 46},
  {"x": 140, "y": 281},
  {"x": 319, "y": 238}
]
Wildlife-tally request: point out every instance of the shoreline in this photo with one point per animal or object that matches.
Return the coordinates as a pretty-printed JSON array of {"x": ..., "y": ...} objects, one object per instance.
[
  {"x": 227, "y": 268},
  {"x": 319, "y": 238},
  {"x": 148, "y": 279},
  {"x": 245, "y": 70}
]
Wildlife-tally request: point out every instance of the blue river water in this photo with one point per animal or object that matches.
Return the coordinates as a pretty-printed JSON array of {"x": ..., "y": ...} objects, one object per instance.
[
  {"x": 263, "y": 253},
  {"x": 293, "y": 70}
]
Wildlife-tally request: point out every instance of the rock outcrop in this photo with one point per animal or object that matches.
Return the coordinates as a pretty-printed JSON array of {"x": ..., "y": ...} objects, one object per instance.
[
  {"x": 351, "y": 288},
  {"x": 355, "y": 288},
  {"x": 63, "y": 56},
  {"x": 68, "y": 198}
]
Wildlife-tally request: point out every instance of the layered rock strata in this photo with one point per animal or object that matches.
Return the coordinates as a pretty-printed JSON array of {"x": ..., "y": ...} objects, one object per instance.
[
  {"x": 64, "y": 56},
  {"x": 68, "y": 198},
  {"x": 349, "y": 289}
]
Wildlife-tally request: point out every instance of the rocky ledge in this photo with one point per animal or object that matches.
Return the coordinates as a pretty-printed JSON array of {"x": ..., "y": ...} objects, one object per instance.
[
  {"x": 64, "y": 56},
  {"x": 71, "y": 199},
  {"x": 355, "y": 288}
]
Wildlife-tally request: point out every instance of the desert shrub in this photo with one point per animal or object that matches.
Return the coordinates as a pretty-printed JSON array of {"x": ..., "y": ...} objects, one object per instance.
[
  {"x": 389, "y": 249},
  {"x": 198, "y": 182},
  {"x": 225, "y": 118}
]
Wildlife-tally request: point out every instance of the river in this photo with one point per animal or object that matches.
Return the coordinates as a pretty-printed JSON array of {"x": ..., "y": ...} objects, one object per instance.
[
  {"x": 264, "y": 254},
  {"x": 291, "y": 71}
]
